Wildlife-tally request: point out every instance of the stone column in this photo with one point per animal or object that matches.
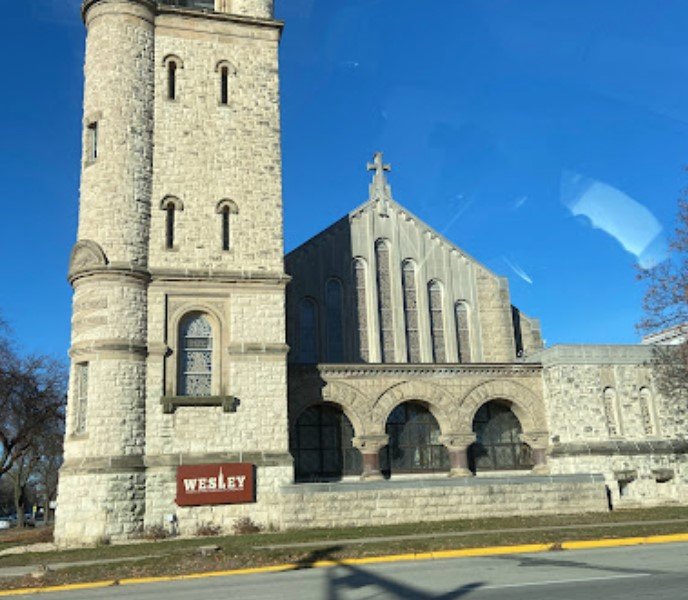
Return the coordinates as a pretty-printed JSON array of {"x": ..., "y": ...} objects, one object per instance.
[
  {"x": 457, "y": 444},
  {"x": 537, "y": 440},
  {"x": 370, "y": 446}
]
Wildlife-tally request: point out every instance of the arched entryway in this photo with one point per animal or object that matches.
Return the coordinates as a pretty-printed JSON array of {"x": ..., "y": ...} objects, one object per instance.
[
  {"x": 498, "y": 445},
  {"x": 414, "y": 445},
  {"x": 321, "y": 445}
]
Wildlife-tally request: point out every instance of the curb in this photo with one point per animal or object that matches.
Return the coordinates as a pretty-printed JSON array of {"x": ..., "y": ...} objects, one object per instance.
[{"x": 371, "y": 560}]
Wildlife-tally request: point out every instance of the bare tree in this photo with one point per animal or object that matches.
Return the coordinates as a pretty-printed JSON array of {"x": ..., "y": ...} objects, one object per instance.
[
  {"x": 32, "y": 399},
  {"x": 665, "y": 308}
]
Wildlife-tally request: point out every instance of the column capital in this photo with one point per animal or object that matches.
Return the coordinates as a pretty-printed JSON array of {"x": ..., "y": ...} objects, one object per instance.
[
  {"x": 457, "y": 440},
  {"x": 369, "y": 444}
]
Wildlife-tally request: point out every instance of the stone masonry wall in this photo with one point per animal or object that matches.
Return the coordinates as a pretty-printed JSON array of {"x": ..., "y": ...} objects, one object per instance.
[
  {"x": 366, "y": 504},
  {"x": 606, "y": 416}
]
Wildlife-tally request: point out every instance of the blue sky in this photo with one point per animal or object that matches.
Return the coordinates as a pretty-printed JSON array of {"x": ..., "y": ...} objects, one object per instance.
[{"x": 547, "y": 139}]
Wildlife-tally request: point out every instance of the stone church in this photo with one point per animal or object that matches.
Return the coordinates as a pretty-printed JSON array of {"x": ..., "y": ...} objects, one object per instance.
[{"x": 377, "y": 374}]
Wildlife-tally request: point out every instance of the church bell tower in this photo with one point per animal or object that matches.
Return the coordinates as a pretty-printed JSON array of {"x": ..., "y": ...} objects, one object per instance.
[{"x": 178, "y": 355}]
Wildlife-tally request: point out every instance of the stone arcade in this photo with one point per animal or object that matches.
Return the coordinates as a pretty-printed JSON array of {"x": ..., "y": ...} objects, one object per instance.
[{"x": 399, "y": 384}]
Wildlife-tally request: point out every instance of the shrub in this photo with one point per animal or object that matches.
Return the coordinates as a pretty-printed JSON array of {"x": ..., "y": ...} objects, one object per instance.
[
  {"x": 245, "y": 525},
  {"x": 208, "y": 529},
  {"x": 155, "y": 532}
]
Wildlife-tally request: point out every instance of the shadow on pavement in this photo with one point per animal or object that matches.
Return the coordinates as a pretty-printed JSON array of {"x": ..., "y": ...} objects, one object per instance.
[{"x": 344, "y": 577}]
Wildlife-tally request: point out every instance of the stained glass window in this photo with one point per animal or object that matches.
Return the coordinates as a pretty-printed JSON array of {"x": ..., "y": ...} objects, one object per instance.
[
  {"x": 384, "y": 296},
  {"x": 196, "y": 337},
  {"x": 439, "y": 352},
  {"x": 408, "y": 281}
]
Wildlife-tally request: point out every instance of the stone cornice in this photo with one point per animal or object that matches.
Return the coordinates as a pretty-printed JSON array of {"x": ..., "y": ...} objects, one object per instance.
[
  {"x": 622, "y": 448},
  {"x": 248, "y": 348},
  {"x": 260, "y": 459},
  {"x": 187, "y": 275},
  {"x": 111, "y": 271},
  {"x": 435, "y": 370},
  {"x": 108, "y": 349},
  {"x": 165, "y": 9},
  {"x": 629, "y": 354}
]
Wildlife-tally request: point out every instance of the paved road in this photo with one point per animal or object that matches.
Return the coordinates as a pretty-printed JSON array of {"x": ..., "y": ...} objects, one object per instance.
[{"x": 632, "y": 573}]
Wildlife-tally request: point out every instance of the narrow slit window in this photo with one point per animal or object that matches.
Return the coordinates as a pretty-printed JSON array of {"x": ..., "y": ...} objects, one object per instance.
[
  {"x": 81, "y": 396},
  {"x": 92, "y": 142},
  {"x": 172, "y": 80},
  {"x": 224, "y": 86},
  {"x": 169, "y": 226},
  {"x": 225, "y": 228}
]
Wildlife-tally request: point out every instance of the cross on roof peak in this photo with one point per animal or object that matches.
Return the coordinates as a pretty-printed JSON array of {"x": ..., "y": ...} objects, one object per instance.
[
  {"x": 380, "y": 190},
  {"x": 378, "y": 165}
]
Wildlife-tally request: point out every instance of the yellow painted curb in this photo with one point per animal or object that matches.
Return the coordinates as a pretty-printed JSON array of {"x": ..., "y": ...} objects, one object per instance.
[{"x": 370, "y": 560}]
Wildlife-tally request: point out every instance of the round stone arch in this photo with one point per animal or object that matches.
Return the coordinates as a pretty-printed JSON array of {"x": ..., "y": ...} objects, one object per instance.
[
  {"x": 524, "y": 404},
  {"x": 434, "y": 396},
  {"x": 338, "y": 394}
]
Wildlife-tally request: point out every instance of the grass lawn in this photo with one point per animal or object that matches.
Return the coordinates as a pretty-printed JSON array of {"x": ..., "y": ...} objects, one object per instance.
[{"x": 179, "y": 556}]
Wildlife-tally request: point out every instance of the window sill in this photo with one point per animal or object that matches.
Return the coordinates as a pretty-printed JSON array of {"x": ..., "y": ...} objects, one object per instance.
[{"x": 170, "y": 404}]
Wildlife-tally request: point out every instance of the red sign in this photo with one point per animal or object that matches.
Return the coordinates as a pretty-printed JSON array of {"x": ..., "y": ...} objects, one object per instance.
[{"x": 227, "y": 483}]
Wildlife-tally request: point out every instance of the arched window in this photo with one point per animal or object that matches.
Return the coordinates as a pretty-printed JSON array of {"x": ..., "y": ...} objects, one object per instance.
[
  {"x": 384, "y": 299},
  {"x": 322, "y": 445},
  {"x": 361, "y": 308},
  {"x": 170, "y": 205},
  {"x": 611, "y": 411},
  {"x": 647, "y": 410},
  {"x": 439, "y": 351},
  {"x": 414, "y": 445},
  {"x": 498, "y": 445},
  {"x": 226, "y": 208},
  {"x": 333, "y": 320},
  {"x": 408, "y": 282},
  {"x": 196, "y": 355},
  {"x": 308, "y": 332},
  {"x": 463, "y": 337},
  {"x": 172, "y": 64},
  {"x": 225, "y": 71}
]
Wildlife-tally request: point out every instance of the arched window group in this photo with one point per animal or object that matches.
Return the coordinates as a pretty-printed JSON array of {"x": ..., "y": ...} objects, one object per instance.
[
  {"x": 308, "y": 331},
  {"x": 410, "y": 295},
  {"x": 226, "y": 209},
  {"x": 322, "y": 442},
  {"x": 334, "y": 315},
  {"x": 224, "y": 70},
  {"x": 384, "y": 301}
]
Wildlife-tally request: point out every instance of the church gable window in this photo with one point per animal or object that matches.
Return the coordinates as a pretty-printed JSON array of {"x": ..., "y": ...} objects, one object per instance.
[
  {"x": 439, "y": 351},
  {"x": 384, "y": 295},
  {"x": 308, "y": 331},
  {"x": 196, "y": 356},
  {"x": 333, "y": 319},
  {"x": 361, "y": 308},
  {"x": 462, "y": 331},
  {"x": 410, "y": 294}
]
